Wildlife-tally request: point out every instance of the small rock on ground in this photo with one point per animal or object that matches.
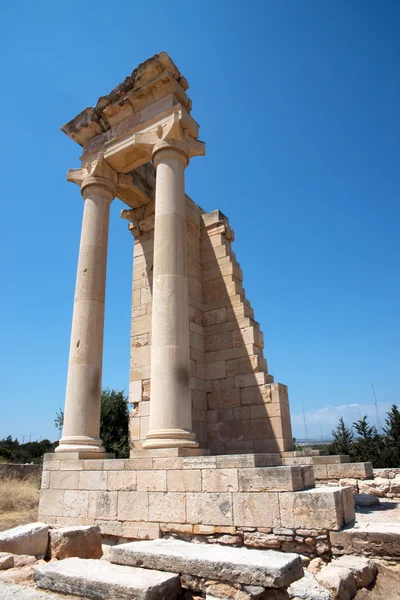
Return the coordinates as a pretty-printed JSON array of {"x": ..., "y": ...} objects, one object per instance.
[
  {"x": 307, "y": 588},
  {"x": 363, "y": 569},
  {"x": 339, "y": 581},
  {"x": 366, "y": 500},
  {"x": 6, "y": 561}
]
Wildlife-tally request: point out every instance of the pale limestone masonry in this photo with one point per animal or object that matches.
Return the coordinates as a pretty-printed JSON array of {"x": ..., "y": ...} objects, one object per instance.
[
  {"x": 209, "y": 427},
  {"x": 236, "y": 407},
  {"x": 233, "y": 501}
]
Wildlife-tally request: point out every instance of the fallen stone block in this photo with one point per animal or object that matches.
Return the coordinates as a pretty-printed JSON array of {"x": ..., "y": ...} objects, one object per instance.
[
  {"x": 29, "y": 539},
  {"x": 81, "y": 542},
  {"x": 234, "y": 565},
  {"x": 308, "y": 588},
  {"x": 6, "y": 561},
  {"x": 363, "y": 569},
  {"x": 339, "y": 581},
  {"x": 99, "y": 579},
  {"x": 366, "y": 500}
]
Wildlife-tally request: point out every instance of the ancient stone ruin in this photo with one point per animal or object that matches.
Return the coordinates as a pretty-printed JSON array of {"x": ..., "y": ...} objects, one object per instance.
[{"x": 211, "y": 439}]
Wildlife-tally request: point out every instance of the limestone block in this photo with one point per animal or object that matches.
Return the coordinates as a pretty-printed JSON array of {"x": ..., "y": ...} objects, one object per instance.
[
  {"x": 92, "y": 480},
  {"x": 169, "y": 507},
  {"x": 184, "y": 480},
  {"x": 226, "y": 431},
  {"x": 209, "y": 508},
  {"x": 339, "y": 581},
  {"x": 261, "y": 479},
  {"x": 64, "y": 480},
  {"x": 51, "y": 503},
  {"x": 319, "y": 508},
  {"x": 258, "y": 509},
  {"x": 361, "y": 470},
  {"x": 329, "y": 460},
  {"x": 372, "y": 540},
  {"x": 121, "y": 480},
  {"x": 151, "y": 481},
  {"x": 135, "y": 391},
  {"x": 257, "y": 429},
  {"x": 308, "y": 476},
  {"x": 114, "y": 464},
  {"x": 140, "y": 530},
  {"x": 224, "y": 398},
  {"x": 200, "y": 462},
  {"x": 363, "y": 569},
  {"x": 83, "y": 542},
  {"x": 101, "y": 579},
  {"x": 233, "y": 565},
  {"x": 215, "y": 370},
  {"x": 245, "y": 365},
  {"x": 103, "y": 505},
  {"x": 75, "y": 504},
  {"x": 71, "y": 465},
  {"x": 321, "y": 472},
  {"x": 256, "y": 395},
  {"x": 349, "y": 482},
  {"x": 31, "y": 539},
  {"x": 6, "y": 561},
  {"x": 109, "y": 527},
  {"x": 45, "y": 481},
  {"x": 234, "y": 461},
  {"x": 220, "y": 480},
  {"x": 133, "y": 506}
]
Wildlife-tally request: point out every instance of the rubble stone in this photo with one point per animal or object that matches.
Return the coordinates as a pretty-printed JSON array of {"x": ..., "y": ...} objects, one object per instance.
[{"x": 29, "y": 539}]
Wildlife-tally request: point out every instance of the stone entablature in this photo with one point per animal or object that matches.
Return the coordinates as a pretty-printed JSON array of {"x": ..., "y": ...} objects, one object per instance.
[{"x": 226, "y": 497}]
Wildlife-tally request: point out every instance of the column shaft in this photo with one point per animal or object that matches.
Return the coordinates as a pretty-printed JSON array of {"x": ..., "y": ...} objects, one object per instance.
[
  {"x": 170, "y": 405},
  {"x": 81, "y": 431}
]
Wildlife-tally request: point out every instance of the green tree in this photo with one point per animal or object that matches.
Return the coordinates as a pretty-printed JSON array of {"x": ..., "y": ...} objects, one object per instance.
[
  {"x": 391, "y": 438},
  {"x": 367, "y": 445},
  {"x": 342, "y": 439},
  {"x": 114, "y": 422}
]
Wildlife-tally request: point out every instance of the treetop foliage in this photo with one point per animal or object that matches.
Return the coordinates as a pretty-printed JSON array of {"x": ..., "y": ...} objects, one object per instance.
[{"x": 363, "y": 443}]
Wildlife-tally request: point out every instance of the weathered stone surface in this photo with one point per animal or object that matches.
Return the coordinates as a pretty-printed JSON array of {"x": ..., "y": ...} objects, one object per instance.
[
  {"x": 29, "y": 539},
  {"x": 308, "y": 588},
  {"x": 339, "y": 581},
  {"x": 363, "y": 569},
  {"x": 375, "y": 487},
  {"x": 366, "y": 500},
  {"x": 279, "y": 479},
  {"x": 100, "y": 579},
  {"x": 236, "y": 565},
  {"x": 6, "y": 561},
  {"x": 209, "y": 509},
  {"x": 82, "y": 542},
  {"x": 371, "y": 540},
  {"x": 256, "y": 509},
  {"x": 322, "y": 508},
  {"x": 21, "y": 592}
]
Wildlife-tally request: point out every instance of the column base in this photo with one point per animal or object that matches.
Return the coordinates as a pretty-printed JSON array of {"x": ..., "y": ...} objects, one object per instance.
[
  {"x": 80, "y": 443},
  {"x": 170, "y": 438}
]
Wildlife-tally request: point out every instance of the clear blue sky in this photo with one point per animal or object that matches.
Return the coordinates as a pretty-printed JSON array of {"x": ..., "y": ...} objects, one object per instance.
[{"x": 298, "y": 102}]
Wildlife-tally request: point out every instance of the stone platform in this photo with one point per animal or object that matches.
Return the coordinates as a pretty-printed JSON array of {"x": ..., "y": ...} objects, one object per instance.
[{"x": 230, "y": 497}]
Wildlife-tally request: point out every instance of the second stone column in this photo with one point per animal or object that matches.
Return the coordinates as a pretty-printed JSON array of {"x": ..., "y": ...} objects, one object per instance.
[{"x": 170, "y": 406}]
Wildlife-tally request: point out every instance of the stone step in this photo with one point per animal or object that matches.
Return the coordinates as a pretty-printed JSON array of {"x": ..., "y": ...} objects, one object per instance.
[
  {"x": 335, "y": 459},
  {"x": 373, "y": 540},
  {"x": 100, "y": 579},
  {"x": 300, "y": 453},
  {"x": 265, "y": 568}
]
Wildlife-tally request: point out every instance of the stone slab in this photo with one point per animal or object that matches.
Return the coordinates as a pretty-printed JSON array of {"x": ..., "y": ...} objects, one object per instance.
[
  {"x": 99, "y": 579},
  {"x": 82, "y": 542},
  {"x": 29, "y": 539},
  {"x": 232, "y": 461},
  {"x": 335, "y": 459},
  {"x": 236, "y": 565},
  {"x": 381, "y": 540}
]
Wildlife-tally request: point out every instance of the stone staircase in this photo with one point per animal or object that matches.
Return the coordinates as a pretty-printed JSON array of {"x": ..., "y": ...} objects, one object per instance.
[{"x": 162, "y": 569}]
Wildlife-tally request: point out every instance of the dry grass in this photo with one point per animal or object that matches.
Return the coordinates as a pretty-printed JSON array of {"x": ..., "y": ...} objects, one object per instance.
[{"x": 19, "y": 499}]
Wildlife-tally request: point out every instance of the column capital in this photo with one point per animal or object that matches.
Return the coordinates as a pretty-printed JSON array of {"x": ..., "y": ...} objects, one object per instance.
[{"x": 96, "y": 172}]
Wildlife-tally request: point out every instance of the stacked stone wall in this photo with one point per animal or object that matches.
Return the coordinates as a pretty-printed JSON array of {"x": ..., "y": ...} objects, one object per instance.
[
  {"x": 224, "y": 499},
  {"x": 236, "y": 406}
]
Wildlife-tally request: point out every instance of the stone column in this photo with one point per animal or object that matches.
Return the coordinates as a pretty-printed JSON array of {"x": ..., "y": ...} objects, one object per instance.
[
  {"x": 170, "y": 404},
  {"x": 81, "y": 431}
]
